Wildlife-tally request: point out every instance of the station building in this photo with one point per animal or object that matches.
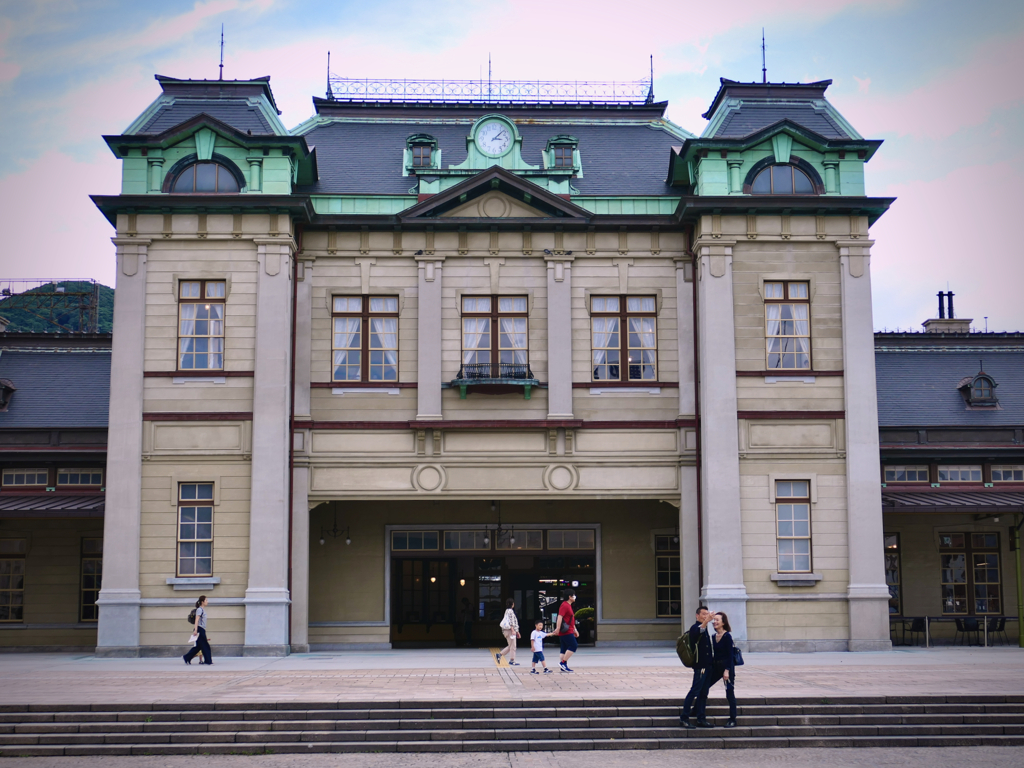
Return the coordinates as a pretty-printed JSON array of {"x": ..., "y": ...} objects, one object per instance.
[{"x": 376, "y": 374}]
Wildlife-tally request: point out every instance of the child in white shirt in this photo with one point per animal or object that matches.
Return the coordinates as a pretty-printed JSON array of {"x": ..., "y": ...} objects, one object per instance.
[{"x": 537, "y": 643}]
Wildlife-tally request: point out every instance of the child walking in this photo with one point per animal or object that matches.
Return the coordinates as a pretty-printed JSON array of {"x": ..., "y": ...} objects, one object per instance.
[{"x": 537, "y": 642}]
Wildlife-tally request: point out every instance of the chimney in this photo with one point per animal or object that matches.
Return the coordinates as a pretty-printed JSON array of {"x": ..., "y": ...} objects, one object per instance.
[{"x": 946, "y": 322}]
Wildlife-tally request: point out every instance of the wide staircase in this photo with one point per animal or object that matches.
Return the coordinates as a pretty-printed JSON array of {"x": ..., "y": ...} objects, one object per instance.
[{"x": 507, "y": 726}]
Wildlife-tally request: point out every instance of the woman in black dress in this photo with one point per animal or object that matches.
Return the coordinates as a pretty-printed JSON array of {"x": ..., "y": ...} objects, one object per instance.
[{"x": 722, "y": 668}]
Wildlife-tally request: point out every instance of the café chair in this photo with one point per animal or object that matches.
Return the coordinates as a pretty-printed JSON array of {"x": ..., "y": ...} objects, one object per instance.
[
  {"x": 916, "y": 627},
  {"x": 965, "y": 627},
  {"x": 997, "y": 626}
]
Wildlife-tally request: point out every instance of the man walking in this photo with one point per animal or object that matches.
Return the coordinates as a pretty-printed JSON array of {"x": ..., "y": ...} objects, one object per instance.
[
  {"x": 566, "y": 631},
  {"x": 702, "y": 640}
]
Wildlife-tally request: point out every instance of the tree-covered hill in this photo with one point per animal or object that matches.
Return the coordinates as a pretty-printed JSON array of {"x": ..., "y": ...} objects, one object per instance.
[{"x": 23, "y": 310}]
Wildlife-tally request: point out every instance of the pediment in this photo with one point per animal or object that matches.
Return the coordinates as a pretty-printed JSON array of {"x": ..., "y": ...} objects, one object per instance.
[
  {"x": 496, "y": 194},
  {"x": 494, "y": 205}
]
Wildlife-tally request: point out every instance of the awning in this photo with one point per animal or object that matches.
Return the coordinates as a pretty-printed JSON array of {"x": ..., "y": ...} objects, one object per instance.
[
  {"x": 52, "y": 504},
  {"x": 952, "y": 501}
]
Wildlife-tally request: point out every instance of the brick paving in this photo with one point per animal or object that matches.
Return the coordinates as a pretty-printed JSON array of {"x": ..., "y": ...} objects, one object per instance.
[{"x": 433, "y": 675}]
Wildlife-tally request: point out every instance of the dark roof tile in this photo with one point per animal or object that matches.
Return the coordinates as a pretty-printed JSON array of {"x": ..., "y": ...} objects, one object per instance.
[
  {"x": 751, "y": 118},
  {"x": 237, "y": 114},
  {"x": 56, "y": 388}
]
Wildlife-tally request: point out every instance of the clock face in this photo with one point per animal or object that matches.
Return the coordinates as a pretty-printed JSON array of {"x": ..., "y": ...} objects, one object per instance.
[{"x": 494, "y": 137}]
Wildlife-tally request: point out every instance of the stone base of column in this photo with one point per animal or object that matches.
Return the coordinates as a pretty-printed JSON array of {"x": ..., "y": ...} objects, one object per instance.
[
  {"x": 266, "y": 622},
  {"x": 869, "y": 617},
  {"x": 730, "y": 599},
  {"x": 120, "y": 617}
]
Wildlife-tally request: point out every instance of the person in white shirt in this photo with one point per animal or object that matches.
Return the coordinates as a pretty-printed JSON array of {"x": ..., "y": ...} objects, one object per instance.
[
  {"x": 510, "y": 629},
  {"x": 537, "y": 643}
]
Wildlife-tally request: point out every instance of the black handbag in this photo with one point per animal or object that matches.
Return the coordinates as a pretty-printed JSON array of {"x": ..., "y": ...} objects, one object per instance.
[{"x": 737, "y": 656}]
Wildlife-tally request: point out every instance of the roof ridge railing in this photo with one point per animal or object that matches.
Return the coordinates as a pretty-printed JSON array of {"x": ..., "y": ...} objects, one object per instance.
[{"x": 633, "y": 92}]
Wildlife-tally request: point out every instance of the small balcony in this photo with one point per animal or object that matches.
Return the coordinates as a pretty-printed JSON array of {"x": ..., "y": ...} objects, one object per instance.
[{"x": 495, "y": 379}]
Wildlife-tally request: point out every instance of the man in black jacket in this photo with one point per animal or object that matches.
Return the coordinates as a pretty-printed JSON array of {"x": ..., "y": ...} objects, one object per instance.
[{"x": 700, "y": 637}]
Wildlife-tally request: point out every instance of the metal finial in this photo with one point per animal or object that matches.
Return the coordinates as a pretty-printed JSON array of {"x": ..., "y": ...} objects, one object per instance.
[
  {"x": 330, "y": 93},
  {"x": 764, "y": 67},
  {"x": 650, "y": 91},
  {"x": 221, "y": 75}
]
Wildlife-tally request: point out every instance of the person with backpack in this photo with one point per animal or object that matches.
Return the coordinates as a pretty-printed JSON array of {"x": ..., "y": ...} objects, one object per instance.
[
  {"x": 510, "y": 629},
  {"x": 723, "y": 667},
  {"x": 198, "y": 619},
  {"x": 699, "y": 641}
]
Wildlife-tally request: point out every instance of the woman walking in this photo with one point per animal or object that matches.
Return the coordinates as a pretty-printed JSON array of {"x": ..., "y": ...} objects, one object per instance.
[
  {"x": 723, "y": 667},
  {"x": 202, "y": 644},
  {"x": 510, "y": 629}
]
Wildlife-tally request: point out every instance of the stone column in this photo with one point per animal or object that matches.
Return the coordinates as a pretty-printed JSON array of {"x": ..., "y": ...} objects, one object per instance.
[
  {"x": 724, "y": 589},
  {"x": 868, "y": 594},
  {"x": 266, "y": 599},
  {"x": 559, "y": 336},
  {"x": 689, "y": 511},
  {"x": 119, "y": 600},
  {"x": 428, "y": 391}
]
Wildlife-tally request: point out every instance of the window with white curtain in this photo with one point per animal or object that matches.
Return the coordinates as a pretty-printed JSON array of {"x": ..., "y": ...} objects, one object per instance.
[
  {"x": 793, "y": 525},
  {"x": 787, "y": 312},
  {"x": 495, "y": 336},
  {"x": 365, "y": 339},
  {"x": 201, "y": 324},
  {"x": 638, "y": 346}
]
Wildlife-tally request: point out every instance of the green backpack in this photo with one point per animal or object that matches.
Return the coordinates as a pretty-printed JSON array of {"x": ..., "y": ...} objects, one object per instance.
[{"x": 686, "y": 649}]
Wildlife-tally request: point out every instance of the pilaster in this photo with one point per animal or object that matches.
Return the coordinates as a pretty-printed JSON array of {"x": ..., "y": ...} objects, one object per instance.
[
  {"x": 559, "y": 336},
  {"x": 267, "y": 598},
  {"x": 724, "y": 589},
  {"x": 300, "y": 559},
  {"x": 119, "y": 599},
  {"x": 868, "y": 594},
  {"x": 428, "y": 391},
  {"x": 303, "y": 335}
]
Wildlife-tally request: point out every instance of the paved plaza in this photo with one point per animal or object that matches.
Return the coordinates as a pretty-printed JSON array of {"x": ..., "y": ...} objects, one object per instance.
[{"x": 461, "y": 674}]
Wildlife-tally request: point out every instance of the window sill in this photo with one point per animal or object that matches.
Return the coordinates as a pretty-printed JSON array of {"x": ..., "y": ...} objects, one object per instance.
[
  {"x": 636, "y": 390},
  {"x": 197, "y": 584},
  {"x": 364, "y": 391},
  {"x": 796, "y": 579},
  {"x": 199, "y": 380}
]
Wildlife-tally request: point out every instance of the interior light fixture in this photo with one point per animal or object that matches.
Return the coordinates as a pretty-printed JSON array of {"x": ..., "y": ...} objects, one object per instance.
[
  {"x": 462, "y": 582},
  {"x": 335, "y": 532}
]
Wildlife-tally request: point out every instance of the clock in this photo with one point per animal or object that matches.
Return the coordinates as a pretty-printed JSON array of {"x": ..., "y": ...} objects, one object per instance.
[{"x": 494, "y": 137}]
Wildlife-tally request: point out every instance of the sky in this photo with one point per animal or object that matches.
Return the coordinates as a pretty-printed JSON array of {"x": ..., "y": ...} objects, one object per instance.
[{"x": 939, "y": 82}]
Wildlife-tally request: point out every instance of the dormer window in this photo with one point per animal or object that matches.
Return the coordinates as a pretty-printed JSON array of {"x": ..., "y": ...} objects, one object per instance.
[
  {"x": 7, "y": 390},
  {"x": 979, "y": 391},
  {"x": 561, "y": 152},
  {"x": 421, "y": 151},
  {"x": 206, "y": 177},
  {"x": 782, "y": 180}
]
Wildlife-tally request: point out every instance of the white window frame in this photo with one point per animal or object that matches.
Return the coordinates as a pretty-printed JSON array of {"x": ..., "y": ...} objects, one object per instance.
[
  {"x": 960, "y": 469},
  {"x": 793, "y": 501}
]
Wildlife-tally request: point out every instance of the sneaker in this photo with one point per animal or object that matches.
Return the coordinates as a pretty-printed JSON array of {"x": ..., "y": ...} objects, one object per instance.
[
  {"x": 534, "y": 672},
  {"x": 547, "y": 671},
  {"x": 513, "y": 663},
  {"x": 497, "y": 658},
  {"x": 566, "y": 669},
  {"x": 731, "y": 724},
  {"x": 561, "y": 665}
]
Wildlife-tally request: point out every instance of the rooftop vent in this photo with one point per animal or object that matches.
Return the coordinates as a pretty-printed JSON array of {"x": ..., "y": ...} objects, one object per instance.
[{"x": 944, "y": 324}]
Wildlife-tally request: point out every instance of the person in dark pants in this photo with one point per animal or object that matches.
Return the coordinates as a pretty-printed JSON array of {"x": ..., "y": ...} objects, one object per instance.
[
  {"x": 722, "y": 668},
  {"x": 700, "y": 637},
  {"x": 202, "y": 644}
]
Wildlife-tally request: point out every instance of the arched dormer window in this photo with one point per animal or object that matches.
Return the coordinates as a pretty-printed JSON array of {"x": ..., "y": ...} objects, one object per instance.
[
  {"x": 421, "y": 151},
  {"x": 782, "y": 179},
  {"x": 979, "y": 391},
  {"x": 205, "y": 176}
]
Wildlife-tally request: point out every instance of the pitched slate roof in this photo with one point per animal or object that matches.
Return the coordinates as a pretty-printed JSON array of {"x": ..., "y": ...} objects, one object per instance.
[
  {"x": 751, "y": 118},
  {"x": 919, "y": 388},
  {"x": 236, "y": 113},
  {"x": 56, "y": 388},
  {"x": 366, "y": 157}
]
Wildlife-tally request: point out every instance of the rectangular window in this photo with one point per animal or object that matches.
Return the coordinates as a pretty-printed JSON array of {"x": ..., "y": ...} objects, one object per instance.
[
  {"x": 421, "y": 155},
  {"x": 201, "y": 324},
  {"x": 1008, "y": 474},
  {"x": 195, "y": 529},
  {"x": 523, "y": 539},
  {"x": 638, "y": 346},
  {"x": 670, "y": 590},
  {"x": 360, "y": 355},
  {"x": 892, "y": 573},
  {"x": 966, "y": 473},
  {"x": 896, "y": 474},
  {"x": 495, "y": 337},
  {"x": 12, "y": 579},
  {"x": 970, "y": 573},
  {"x": 563, "y": 156},
  {"x": 569, "y": 539},
  {"x": 466, "y": 540},
  {"x": 413, "y": 541},
  {"x": 25, "y": 478},
  {"x": 793, "y": 521},
  {"x": 80, "y": 477},
  {"x": 92, "y": 577},
  {"x": 787, "y": 325}
]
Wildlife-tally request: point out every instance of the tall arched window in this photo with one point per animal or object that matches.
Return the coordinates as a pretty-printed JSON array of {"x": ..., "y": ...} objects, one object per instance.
[
  {"x": 205, "y": 177},
  {"x": 782, "y": 180}
]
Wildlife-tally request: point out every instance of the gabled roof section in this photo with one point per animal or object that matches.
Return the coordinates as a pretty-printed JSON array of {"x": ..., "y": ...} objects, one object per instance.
[
  {"x": 246, "y": 105},
  {"x": 180, "y": 131},
  {"x": 743, "y": 109},
  {"x": 508, "y": 183}
]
